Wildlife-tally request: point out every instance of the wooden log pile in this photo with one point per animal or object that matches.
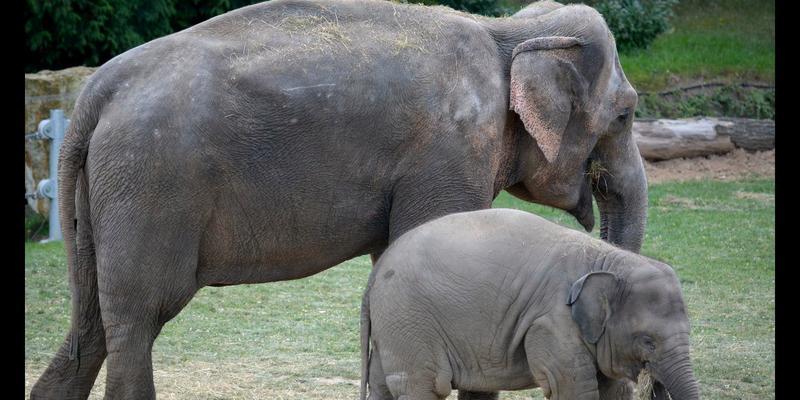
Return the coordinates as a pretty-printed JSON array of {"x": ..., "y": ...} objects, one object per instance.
[{"x": 664, "y": 139}]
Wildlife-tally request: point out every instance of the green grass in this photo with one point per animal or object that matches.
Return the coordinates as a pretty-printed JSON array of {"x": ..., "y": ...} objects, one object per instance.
[
  {"x": 712, "y": 40},
  {"x": 299, "y": 339}
]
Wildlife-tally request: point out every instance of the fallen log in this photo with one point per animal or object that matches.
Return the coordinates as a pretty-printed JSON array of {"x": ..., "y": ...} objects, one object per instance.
[
  {"x": 664, "y": 139},
  {"x": 750, "y": 134}
]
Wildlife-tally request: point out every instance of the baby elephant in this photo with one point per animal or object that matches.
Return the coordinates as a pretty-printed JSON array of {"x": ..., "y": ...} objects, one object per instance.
[{"x": 504, "y": 300}]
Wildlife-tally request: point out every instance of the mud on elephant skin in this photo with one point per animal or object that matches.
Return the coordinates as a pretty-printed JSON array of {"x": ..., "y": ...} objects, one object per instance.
[
  {"x": 501, "y": 299},
  {"x": 280, "y": 139}
]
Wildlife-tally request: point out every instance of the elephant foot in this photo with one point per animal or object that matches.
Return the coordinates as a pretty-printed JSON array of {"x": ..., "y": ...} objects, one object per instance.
[{"x": 71, "y": 379}]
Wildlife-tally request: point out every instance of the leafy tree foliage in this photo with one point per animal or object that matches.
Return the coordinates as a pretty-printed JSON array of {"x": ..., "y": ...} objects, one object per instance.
[
  {"x": 65, "y": 33},
  {"x": 193, "y": 12}
]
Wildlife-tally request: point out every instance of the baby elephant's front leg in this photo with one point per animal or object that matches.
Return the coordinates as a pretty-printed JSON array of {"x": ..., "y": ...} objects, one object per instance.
[
  {"x": 614, "y": 389},
  {"x": 560, "y": 363}
]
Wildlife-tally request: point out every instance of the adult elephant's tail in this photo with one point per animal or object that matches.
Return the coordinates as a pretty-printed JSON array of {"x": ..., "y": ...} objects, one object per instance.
[{"x": 72, "y": 371}]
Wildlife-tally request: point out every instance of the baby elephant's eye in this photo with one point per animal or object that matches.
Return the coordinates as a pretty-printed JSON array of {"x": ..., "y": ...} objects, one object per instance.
[{"x": 648, "y": 343}]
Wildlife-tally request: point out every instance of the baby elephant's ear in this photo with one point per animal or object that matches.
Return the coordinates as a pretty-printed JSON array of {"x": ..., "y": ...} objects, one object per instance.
[{"x": 590, "y": 298}]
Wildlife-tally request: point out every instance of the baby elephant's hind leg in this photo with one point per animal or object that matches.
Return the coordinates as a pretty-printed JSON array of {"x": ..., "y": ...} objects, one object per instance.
[
  {"x": 419, "y": 385},
  {"x": 377, "y": 380}
]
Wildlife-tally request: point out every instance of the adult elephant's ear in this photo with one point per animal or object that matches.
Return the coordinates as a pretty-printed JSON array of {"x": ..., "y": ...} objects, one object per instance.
[
  {"x": 544, "y": 87},
  {"x": 591, "y": 297}
]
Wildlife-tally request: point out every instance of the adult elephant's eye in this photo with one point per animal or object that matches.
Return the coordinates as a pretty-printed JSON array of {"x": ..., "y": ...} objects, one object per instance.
[{"x": 624, "y": 115}]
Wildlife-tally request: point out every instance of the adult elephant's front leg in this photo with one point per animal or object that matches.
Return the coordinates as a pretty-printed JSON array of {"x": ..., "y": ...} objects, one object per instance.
[
  {"x": 422, "y": 199},
  {"x": 375, "y": 255}
]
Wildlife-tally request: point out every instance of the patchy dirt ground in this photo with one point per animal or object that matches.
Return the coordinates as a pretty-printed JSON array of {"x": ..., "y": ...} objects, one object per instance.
[{"x": 737, "y": 164}]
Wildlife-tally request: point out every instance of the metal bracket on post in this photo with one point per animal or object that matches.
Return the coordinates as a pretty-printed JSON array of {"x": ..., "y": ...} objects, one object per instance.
[{"x": 51, "y": 129}]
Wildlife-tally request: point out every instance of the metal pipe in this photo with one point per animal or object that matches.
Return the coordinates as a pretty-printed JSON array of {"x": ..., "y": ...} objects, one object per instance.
[
  {"x": 52, "y": 129},
  {"x": 59, "y": 125}
]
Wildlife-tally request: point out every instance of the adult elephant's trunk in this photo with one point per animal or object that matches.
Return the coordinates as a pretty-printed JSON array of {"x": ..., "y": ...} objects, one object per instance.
[
  {"x": 674, "y": 371},
  {"x": 619, "y": 186}
]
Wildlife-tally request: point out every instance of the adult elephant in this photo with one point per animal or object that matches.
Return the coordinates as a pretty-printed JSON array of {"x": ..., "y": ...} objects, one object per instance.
[{"x": 280, "y": 139}]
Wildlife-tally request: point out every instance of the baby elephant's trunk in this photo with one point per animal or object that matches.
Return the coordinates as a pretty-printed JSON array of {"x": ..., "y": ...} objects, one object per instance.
[{"x": 674, "y": 370}]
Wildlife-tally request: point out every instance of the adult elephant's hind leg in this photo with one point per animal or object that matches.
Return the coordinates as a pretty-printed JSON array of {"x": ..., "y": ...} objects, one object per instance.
[
  {"x": 67, "y": 378},
  {"x": 146, "y": 276},
  {"x": 73, "y": 370},
  {"x": 72, "y": 379}
]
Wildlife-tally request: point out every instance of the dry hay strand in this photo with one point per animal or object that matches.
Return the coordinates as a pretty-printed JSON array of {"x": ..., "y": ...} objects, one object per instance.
[
  {"x": 596, "y": 170},
  {"x": 404, "y": 43},
  {"x": 597, "y": 174},
  {"x": 644, "y": 387}
]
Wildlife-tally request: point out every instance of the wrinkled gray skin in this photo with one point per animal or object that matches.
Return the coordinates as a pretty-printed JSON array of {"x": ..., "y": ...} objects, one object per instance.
[
  {"x": 280, "y": 139},
  {"x": 501, "y": 299}
]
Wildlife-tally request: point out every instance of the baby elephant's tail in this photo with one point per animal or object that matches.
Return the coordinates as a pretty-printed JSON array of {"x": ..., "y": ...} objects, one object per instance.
[{"x": 365, "y": 332}]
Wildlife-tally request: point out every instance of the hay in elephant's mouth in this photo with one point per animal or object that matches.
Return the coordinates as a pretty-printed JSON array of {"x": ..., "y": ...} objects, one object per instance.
[
  {"x": 596, "y": 169},
  {"x": 644, "y": 387},
  {"x": 597, "y": 177}
]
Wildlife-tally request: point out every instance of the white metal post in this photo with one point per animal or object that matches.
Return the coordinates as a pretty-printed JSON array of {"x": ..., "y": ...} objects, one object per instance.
[{"x": 53, "y": 129}]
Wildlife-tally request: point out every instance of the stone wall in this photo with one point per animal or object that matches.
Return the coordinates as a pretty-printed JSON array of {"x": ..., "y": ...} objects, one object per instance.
[{"x": 46, "y": 90}]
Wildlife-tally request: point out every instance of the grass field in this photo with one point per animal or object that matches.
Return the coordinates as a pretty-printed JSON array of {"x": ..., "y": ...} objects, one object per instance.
[
  {"x": 299, "y": 339},
  {"x": 711, "y": 40}
]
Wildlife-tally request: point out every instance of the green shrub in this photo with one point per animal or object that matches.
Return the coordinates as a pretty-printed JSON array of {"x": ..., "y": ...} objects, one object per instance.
[
  {"x": 727, "y": 101},
  {"x": 750, "y": 103},
  {"x": 636, "y": 23}
]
